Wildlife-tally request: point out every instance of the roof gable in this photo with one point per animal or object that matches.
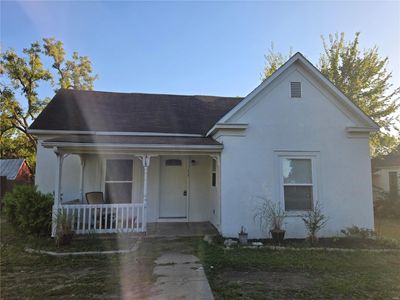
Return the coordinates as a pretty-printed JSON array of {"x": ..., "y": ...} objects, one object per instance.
[
  {"x": 10, "y": 167},
  {"x": 367, "y": 122}
]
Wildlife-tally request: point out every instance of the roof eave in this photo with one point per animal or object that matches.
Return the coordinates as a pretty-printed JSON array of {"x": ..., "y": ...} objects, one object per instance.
[
  {"x": 115, "y": 146},
  {"x": 361, "y": 129},
  {"x": 230, "y": 126},
  {"x": 113, "y": 133}
]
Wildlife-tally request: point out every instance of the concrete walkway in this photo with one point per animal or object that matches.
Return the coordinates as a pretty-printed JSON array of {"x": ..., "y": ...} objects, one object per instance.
[
  {"x": 180, "y": 276},
  {"x": 180, "y": 229}
]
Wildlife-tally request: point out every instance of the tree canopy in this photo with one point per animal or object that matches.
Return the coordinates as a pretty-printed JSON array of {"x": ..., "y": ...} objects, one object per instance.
[
  {"x": 20, "y": 102},
  {"x": 362, "y": 76},
  {"x": 273, "y": 60}
]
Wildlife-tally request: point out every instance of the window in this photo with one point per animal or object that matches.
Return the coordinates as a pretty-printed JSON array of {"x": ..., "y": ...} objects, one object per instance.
[
  {"x": 297, "y": 183},
  {"x": 295, "y": 89},
  {"x": 173, "y": 162},
  {"x": 118, "y": 181},
  {"x": 214, "y": 173}
]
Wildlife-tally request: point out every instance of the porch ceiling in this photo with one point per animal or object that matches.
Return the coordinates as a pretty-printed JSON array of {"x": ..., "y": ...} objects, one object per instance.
[{"x": 116, "y": 142}]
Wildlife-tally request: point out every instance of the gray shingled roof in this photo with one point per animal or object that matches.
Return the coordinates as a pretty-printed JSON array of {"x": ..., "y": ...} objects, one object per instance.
[
  {"x": 10, "y": 167},
  {"x": 132, "y": 112}
]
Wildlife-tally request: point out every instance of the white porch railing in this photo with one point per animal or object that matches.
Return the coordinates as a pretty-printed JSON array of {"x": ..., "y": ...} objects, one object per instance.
[{"x": 104, "y": 218}]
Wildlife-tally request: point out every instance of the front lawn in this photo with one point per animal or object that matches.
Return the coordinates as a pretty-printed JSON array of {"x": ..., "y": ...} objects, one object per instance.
[
  {"x": 236, "y": 273},
  {"x": 242, "y": 273},
  {"x": 39, "y": 276},
  {"x": 261, "y": 273}
]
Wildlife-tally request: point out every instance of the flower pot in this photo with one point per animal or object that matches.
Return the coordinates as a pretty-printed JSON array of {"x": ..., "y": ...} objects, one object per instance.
[
  {"x": 243, "y": 238},
  {"x": 277, "y": 235}
]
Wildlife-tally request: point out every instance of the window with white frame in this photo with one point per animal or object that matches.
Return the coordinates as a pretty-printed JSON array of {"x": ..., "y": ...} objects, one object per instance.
[
  {"x": 214, "y": 173},
  {"x": 297, "y": 182},
  {"x": 118, "y": 181}
]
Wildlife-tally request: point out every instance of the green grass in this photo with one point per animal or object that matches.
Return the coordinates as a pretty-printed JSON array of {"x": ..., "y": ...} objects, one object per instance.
[
  {"x": 37, "y": 276},
  {"x": 334, "y": 274},
  {"x": 358, "y": 275},
  {"x": 85, "y": 243}
]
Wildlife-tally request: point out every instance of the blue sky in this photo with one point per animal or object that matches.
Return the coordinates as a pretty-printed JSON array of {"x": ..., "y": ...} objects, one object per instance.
[{"x": 213, "y": 48}]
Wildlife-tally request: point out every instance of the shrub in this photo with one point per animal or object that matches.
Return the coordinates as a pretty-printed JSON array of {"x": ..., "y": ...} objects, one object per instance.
[
  {"x": 29, "y": 210},
  {"x": 379, "y": 194},
  {"x": 64, "y": 231},
  {"x": 314, "y": 221},
  {"x": 387, "y": 209},
  {"x": 358, "y": 232},
  {"x": 270, "y": 215}
]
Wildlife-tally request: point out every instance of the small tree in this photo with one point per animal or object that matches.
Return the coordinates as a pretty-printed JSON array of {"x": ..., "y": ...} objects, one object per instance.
[
  {"x": 21, "y": 75},
  {"x": 273, "y": 60},
  {"x": 362, "y": 75},
  {"x": 314, "y": 221}
]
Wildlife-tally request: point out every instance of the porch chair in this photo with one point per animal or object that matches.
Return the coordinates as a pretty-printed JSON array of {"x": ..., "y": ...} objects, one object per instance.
[
  {"x": 94, "y": 198},
  {"x": 97, "y": 198}
]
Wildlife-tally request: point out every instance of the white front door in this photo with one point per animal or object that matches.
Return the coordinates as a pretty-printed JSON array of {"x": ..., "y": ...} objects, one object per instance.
[{"x": 173, "y": 191}]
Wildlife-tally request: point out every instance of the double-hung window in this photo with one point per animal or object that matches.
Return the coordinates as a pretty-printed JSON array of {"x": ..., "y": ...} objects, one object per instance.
[
  {"x": 118, "y": 181},
  {"x": 297, "y": 180}
]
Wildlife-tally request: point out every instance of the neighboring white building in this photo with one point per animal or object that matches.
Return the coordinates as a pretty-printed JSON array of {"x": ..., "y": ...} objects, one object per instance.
[
  {"x": 386, "y": 175},
  {"x": 295, "y": 139}
]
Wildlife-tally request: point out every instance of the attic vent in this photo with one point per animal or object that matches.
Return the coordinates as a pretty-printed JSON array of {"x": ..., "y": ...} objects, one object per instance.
[{"x": 295, "y": 89}]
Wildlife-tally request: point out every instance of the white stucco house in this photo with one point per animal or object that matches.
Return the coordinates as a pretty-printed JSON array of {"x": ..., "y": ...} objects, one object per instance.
[{"x": 295, "y": 139}]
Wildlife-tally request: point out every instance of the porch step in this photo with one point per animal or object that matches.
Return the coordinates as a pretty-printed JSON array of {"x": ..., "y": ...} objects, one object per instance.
[{"x": 180, "y": 229}]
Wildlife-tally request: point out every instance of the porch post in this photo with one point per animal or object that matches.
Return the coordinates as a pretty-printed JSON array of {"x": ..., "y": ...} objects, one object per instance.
[
  {"x": 83, "y": 161},
  {"x": 57, "y": 189},
  {"x": 217, "y": 158},
  {"x": 146, "y": 163}
]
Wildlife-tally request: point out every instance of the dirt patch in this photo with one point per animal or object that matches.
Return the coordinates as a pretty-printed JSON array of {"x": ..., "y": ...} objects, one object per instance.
[{"x": 270, "y": 280}]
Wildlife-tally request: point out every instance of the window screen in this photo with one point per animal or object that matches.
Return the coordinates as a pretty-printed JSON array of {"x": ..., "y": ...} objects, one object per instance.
[{"x": 118, "y": 181}]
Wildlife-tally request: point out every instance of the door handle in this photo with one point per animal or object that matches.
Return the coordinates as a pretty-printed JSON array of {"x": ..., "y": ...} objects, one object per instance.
[{"x": 184, "y": 193}]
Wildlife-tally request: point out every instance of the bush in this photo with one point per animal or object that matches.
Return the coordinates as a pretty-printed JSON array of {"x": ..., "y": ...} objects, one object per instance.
[
  {"x": 314, "y": 221},
  {"x": 358, "y": 232},
  {"x": 387, "y": 209},
  {"x": 29, "y": 210}
]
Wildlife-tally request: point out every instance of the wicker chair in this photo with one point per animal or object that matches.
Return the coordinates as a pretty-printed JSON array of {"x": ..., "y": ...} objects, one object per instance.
[{"x": 97, "y": 198}]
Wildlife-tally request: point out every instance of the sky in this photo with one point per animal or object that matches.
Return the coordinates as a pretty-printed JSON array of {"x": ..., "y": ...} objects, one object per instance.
[{"x": 196, "y": 48}]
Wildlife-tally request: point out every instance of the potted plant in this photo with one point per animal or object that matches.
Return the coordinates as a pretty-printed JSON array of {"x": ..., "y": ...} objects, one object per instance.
[
  {"x": 243, "y": 236},
  {"x": 270, "y": 216},
  {"x": 64, "y": 232}
]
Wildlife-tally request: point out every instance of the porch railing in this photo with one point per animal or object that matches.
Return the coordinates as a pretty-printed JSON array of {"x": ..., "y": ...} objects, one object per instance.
[{"x": 103, "y": 218}]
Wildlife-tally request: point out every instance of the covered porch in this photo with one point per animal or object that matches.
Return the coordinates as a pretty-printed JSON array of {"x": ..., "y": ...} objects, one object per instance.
[{"x": 143, "y": 181}]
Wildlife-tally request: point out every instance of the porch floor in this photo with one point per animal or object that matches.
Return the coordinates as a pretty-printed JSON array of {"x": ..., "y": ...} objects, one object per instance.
[{"x": 180, "y": 229}]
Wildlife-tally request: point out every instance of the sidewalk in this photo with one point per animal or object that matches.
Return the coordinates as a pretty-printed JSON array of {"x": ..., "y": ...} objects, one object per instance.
[{"x": 180, "y": 276}]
